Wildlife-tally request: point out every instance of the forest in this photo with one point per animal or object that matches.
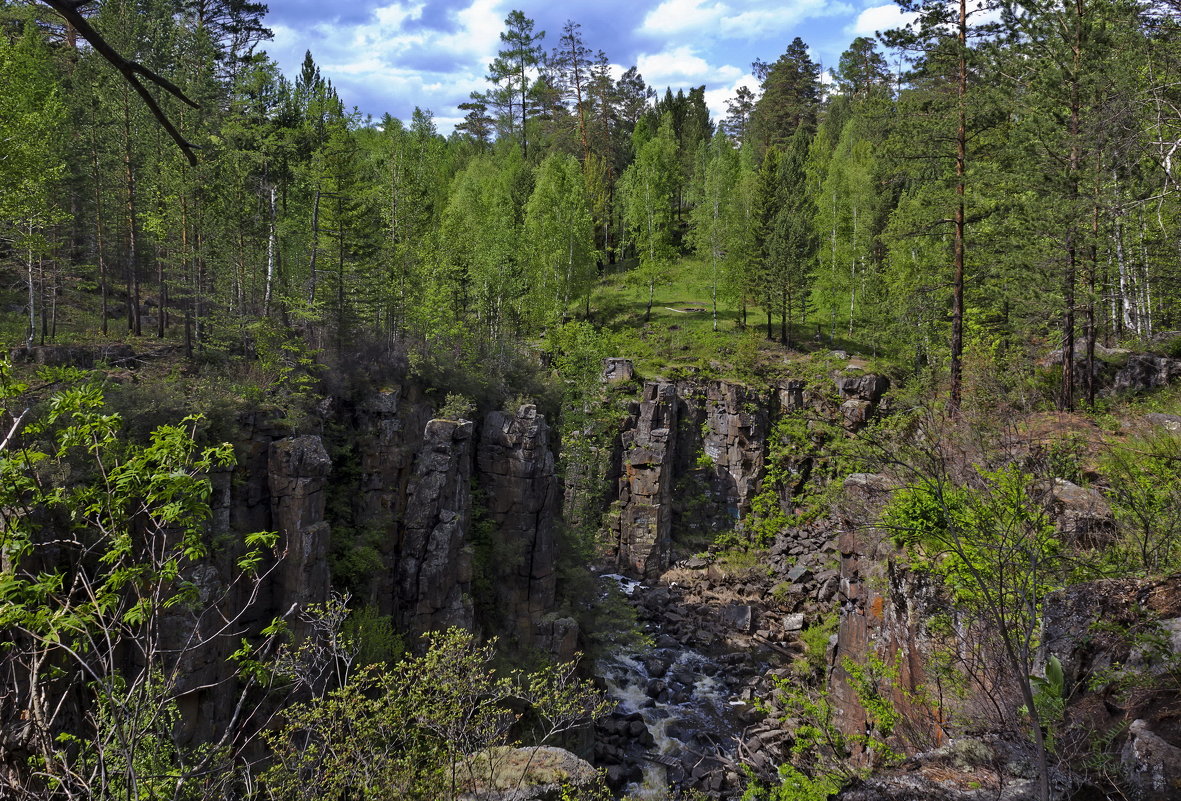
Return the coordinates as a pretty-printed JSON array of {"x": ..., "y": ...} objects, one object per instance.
[{"x": 971, "y": 224}]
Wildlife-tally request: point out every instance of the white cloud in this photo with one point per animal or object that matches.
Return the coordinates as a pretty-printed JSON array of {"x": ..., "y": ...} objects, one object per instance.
[
  {"x": 682, "y": 67},
  {"x": 679, "y": 16},
  {"x": 742, "y": 21},
  {"x": 372, "y": 58},
  {"x": 879, "y": 18},
  {"x": 715, "y": 99}
]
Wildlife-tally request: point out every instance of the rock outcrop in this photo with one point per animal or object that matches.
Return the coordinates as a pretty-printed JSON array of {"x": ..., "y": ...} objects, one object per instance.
[
  {"x": 1084, "y": 517},
  {"x": 521, "y": 493},
  {"x": 297, "y": 475},
  {"x": 543, "y": 773},
  {"x": 434, "y": 570},
  {"x": 727, "y": 424},
  {"x": 643, "y": 530}
]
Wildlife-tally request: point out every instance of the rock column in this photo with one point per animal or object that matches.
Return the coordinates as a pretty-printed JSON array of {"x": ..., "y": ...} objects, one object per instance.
[
  {"x": 645, "y": 493},
  {"x": 297, "y": 475},
  {"x": 517, "y": 475},
  {"x": 434, "y": 571}
]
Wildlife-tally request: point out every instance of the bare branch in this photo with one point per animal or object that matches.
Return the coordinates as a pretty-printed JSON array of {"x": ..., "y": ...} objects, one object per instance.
[{"x": 131, "y": 71}]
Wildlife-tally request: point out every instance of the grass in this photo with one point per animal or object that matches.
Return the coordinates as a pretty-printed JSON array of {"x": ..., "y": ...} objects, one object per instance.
[{"x": 679, "y": 336}]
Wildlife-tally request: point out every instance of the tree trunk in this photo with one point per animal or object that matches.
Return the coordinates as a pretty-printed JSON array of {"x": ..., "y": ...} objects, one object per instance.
[
  {"x": 315, "y": 246},
  {"x": 961, "y": 141},
  {"x": 270, "y": 284}
]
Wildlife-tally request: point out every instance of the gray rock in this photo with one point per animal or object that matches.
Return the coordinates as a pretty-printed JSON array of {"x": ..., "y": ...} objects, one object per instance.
[
  {"x": 798, "y": 574},
  {"x": 1169, "y": 422},
  {"x": 523, "y": 774},
  {"x": 1144, "y": 371},
  {"x": 297, "y": 475},
  {"x": 434, "y": 569},
  {"x": 793, "y": 622},
  {"x": 616, "y": 370},
  {"x": 1082, "y": 514},
  {"x": 738, "y": 617},
  {"x": 644, "y": 528},
  {"x": 1152, "y": 765},
  {"x": 516, "y": 470},
  {"x": 869, "y": 387}
]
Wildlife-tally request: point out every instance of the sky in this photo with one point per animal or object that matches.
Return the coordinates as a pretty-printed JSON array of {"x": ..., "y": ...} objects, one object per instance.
[{"x": 392, "y": 55}]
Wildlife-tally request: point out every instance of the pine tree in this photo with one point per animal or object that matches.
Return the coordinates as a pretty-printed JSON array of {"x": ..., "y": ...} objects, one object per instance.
[{"x": 511, "y": 69}]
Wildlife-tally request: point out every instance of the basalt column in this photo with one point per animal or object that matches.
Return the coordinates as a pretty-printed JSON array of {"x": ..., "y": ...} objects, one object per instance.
[
  {"x": 644, "y": 533},
  {"x": 521, "y": 495},
  {"x": 434, "y": 571}
]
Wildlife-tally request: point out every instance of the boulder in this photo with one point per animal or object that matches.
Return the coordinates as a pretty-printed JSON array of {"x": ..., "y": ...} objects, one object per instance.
[
  {"x": 1082, "y": 514},
  {"x": 869, "y": 387},
  {"x": 737, "y": 617},
  {"x": 1152, "y": 765},
  {"x": 1144, "y": 371},
  {"x": 616, "y": 370},
  {"x": 524, "y": 774}
]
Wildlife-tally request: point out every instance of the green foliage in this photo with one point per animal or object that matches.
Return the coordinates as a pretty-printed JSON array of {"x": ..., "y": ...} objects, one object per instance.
[
  {"x": 411, "y": 730},
  {"x": 973, "y": 539},
  {"x": 456, "y": 407},
  {"x": 1144, "y": 487},
  {"x": 816, "y": 639},
  {"x": 129, "y": 523},
  {"x": 872, "y": 682},
  {"x": 1049, "y": 696}
]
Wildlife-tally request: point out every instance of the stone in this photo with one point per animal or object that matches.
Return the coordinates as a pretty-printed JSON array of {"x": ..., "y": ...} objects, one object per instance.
[
  {"x": 794, "y": 622},
  {"x": 1169, "y": 422},
  {"x": 644, "y": 527},
  {"x": 523, "y": 774},
  {"x": 434, "y": 557},
  {"x": 297, "y": 475},
  {"x": 1151, "y": 764},
  {"x": 738, "y": 617},
  {"x": 616, "y": 370},
  {"x": 557, "y": 637},
  {"x": 869, "y": 486},
  {"x": 1144, "y": 371},
  {"x": 516, "y": 473},
  {"x": 1082, "y": 514},
  {"x": 791, "y": 396},
  {"x": 869, "y": 387},
  {"x": 799, "y": 573},
  {"x": 856, "y": 413}
]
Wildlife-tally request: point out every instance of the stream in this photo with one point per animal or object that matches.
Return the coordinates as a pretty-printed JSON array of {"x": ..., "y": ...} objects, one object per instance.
[{"x": 678, "y": 713}]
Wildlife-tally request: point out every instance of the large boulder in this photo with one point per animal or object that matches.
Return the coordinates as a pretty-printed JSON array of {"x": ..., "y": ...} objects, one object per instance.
[
  {"x": 1144, "y": 371},
  {"x": 1152, "y": 765},
  {"x": 1083, "y": 516},
  {"x": 523, "y": 774}
]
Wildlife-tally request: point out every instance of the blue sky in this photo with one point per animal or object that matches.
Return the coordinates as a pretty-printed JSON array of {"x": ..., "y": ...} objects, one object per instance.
[{"x": 389, "y": 56}]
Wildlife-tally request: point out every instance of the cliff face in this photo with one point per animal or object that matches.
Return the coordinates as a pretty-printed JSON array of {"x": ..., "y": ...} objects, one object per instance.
[
  {"x": 517, "y": 476},
  {"x": 648, "y": 444},
  {"x": 693, "y": 454},
  {"x": 406, "y": 480},
  {"x": 434, "y": 565}
]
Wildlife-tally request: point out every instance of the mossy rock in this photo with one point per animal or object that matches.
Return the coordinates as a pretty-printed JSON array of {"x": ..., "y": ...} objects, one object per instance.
[{"x": 523, "y": 774}]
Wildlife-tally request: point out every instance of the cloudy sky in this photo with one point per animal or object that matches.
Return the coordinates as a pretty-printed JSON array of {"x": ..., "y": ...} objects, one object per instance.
[{"x": 387, "y": 55}]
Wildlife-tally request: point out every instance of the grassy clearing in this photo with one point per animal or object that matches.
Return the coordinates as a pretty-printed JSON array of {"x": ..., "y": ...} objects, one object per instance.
[{"x": 680, "y": 335}]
